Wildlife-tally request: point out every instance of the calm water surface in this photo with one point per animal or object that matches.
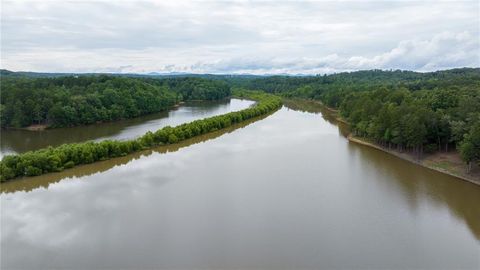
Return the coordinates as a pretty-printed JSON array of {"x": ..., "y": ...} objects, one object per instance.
[
  {"x": 19, "y": 141},
  {"x": 284, "y": 192}
]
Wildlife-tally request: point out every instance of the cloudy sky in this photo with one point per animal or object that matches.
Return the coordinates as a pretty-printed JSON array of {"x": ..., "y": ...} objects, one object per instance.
[{"x": 259, "y": 37}]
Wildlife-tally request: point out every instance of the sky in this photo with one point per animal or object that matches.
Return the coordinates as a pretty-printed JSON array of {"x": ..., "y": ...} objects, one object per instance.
[{"x": 237, "y": 37}]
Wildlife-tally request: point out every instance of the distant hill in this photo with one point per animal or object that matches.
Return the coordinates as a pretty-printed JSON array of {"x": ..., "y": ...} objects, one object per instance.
[
  {"x": 359, "y": 73},
  {"x": 29, "y": 74}
]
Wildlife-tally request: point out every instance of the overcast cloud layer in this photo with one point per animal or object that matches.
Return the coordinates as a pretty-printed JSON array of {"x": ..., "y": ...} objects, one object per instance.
[{"x": 238, "y": 36}]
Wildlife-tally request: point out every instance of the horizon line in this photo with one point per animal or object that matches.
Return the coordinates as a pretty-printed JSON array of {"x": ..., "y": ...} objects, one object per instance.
[{"x": 157, "y": 73}]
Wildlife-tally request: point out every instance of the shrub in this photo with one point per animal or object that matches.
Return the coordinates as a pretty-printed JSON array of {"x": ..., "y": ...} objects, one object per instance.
[{"x": 68, "y": 155}]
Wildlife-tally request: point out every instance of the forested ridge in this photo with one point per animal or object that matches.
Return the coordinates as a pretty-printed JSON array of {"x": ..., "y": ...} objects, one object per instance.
[
  {"x": 54, "y": 159},
  {"x": 80, "y": 100}
]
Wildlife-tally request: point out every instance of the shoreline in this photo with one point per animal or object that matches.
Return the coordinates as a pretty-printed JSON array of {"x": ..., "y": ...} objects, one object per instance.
[
  {"x": 29, "y": 163},
  {"x": 407, "y": 157},
  {"x": 29, "y": 183},
  {"x": 404, "y": 156},
  {"x": 430, "y": 162},
  {"x": 42, "y": 127}
]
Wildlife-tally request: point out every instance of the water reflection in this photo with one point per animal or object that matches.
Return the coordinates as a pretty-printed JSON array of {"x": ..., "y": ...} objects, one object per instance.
[
  {"x": 31, "y": 183},
  {"x": 19, "y": 141},
  {"x": 418, "y": 184},
  {"x": 315, "y": 107},
  {"x": 284, "y": 192},
  {"x": 462, "y": 198}
]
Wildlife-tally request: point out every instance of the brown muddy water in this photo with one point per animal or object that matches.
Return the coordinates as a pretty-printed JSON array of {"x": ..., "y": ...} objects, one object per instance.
[
  {"x": 18, "y": 141},
  {"x": 285, "y": 192}
]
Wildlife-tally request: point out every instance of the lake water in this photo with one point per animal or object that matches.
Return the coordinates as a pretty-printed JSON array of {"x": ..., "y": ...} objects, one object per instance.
[
  {"x": 285, "y": 192},
  {"x": 19, "y": 141}
]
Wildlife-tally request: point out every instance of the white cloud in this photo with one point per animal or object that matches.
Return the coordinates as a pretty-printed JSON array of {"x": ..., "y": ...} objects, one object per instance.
[
  {"x": 442, "y": 51},
  {"x": 238, "y": 36}
]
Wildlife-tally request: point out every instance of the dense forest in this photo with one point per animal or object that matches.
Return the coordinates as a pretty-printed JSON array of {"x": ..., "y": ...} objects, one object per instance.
[
  {"x": 189, "y": 88},
  {"x": 409, "y": 111},
  {"x": 418, "y": 112},
  {"x": 54, "y": 159},
  {"x": 80, "y": 100}
]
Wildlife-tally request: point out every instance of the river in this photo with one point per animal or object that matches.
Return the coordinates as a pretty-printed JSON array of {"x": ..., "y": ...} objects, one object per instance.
[
  {"x": 285, "y": 192},
  {"x": 18, "y": 141}
]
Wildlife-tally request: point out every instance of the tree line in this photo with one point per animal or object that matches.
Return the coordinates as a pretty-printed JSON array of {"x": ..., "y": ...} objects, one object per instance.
[
  {"x": 54, "y": 159},
  {"x": 80, "y": 100},
  {"x": 422, "y": 121},
  {"x": 410, "y": 111},
  {"x": 191, "y": 88}
]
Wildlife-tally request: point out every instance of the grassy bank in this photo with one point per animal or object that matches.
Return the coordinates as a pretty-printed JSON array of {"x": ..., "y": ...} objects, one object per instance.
[{"x": 55, "y": 159}]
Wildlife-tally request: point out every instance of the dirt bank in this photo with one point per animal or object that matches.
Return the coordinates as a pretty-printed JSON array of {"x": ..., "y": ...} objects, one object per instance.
[{"x": 445, "y": 162}]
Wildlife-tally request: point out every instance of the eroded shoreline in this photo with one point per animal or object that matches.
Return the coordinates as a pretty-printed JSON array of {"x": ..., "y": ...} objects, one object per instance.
[
  {"x": 420, "y": 162},
  {"x": 424, "y": 162}
]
